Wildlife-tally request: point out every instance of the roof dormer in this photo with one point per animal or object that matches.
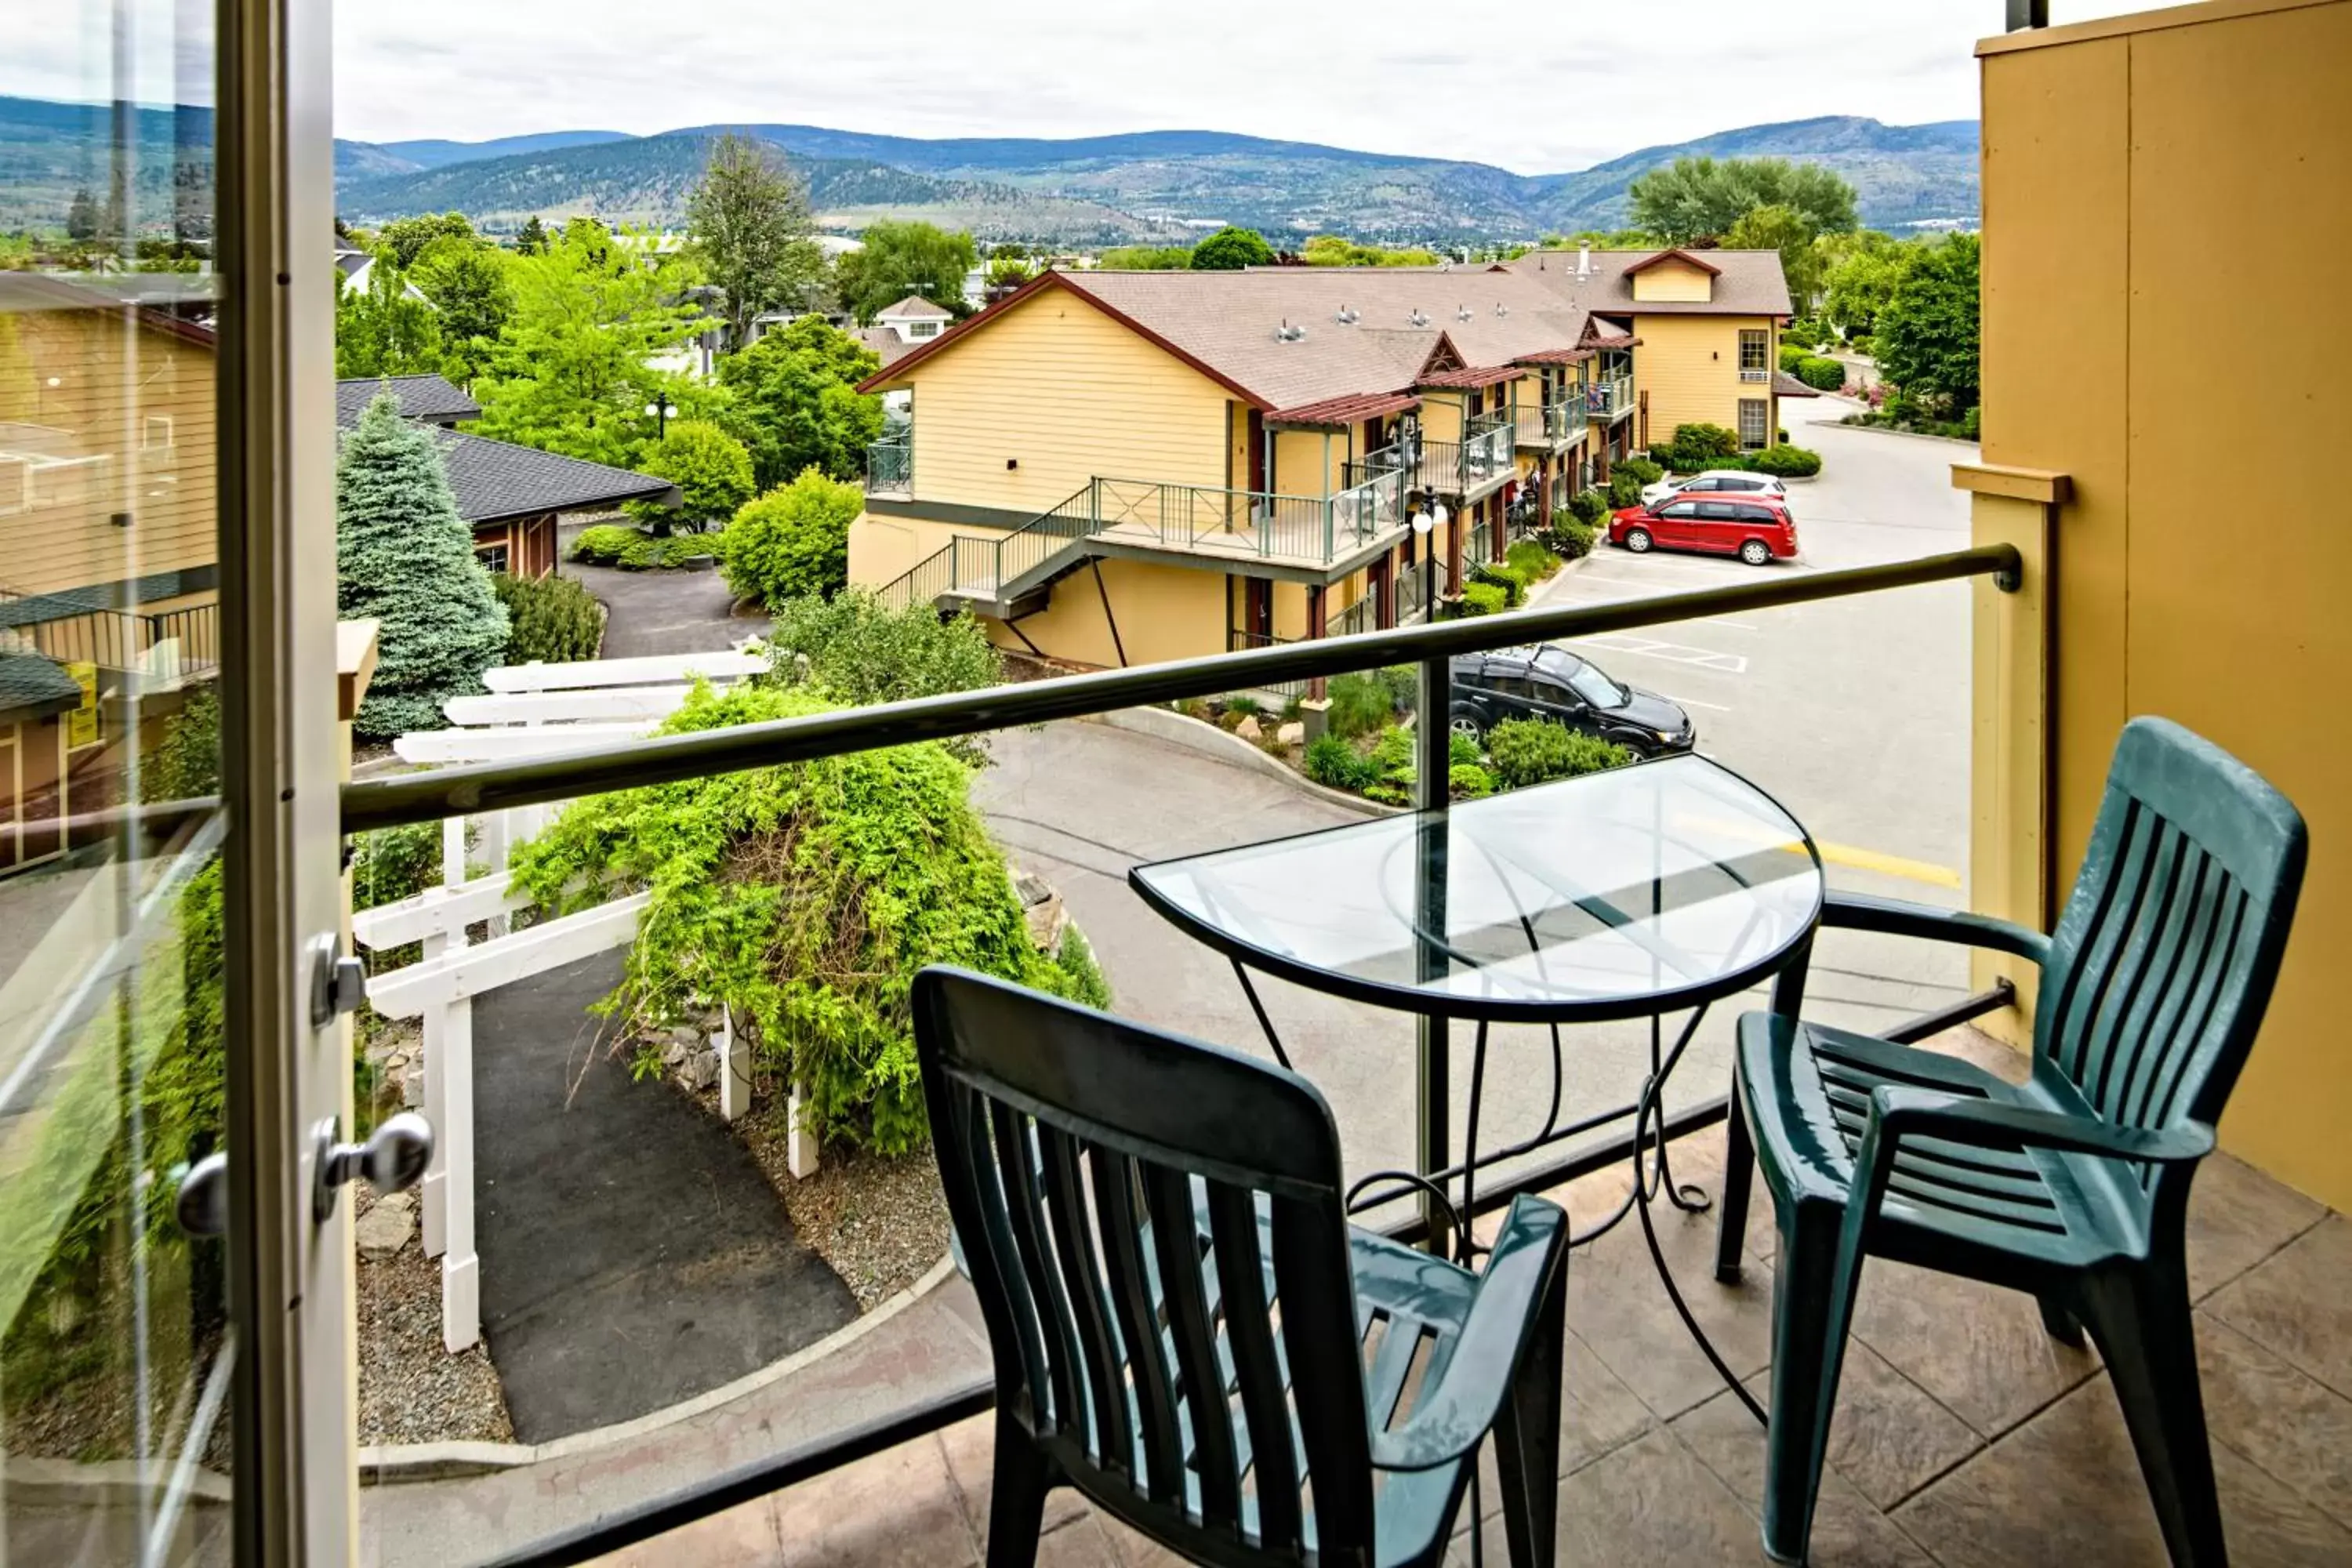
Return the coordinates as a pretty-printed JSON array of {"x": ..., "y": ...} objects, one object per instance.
[{"x": 1675, "y": 277}]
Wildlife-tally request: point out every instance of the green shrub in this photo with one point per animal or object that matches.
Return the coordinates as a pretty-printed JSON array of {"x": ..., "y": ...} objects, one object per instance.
[
  {"x": 1360, "y": 703},
  {"x": 1789, "y": 462},
  {"x": 1503, "y": 577},
  {"x": 1468, "y": 781},
  {"x": 185, "y": 764},
  {"x": 793, "y": 541},
  {"x": 1709, "y": 441},
  {"x": 1792, "y": 354},
  {"x": 1821, "y": 373},
  {"x": 1402, "y": 683},
  {"x": 635, "y": 549},
  {"x": 550, "y": 620},
  {"x": 1807, "y": 332},
  {"x": 1522, "y": 752},
  {"x": 1624, "y": 490},
  {"x": 1461, "y": 751},
  {"x": 1396, "y": 771},
  {"x": 711, "y": 469},
  {"x": 1642, "y": 469},
  {"x": 389, "y": 864},
  {"x": 1332, "y": 761},
  {"x": 1483, "y": 599},
  {"x": 1569, "y": 539},
  {"x": 1972, "y": 425},
  {"x": 1241, "y": 705},
  {"x": 1075, "y": 959},
  {"x": 1589, "y": 506},
  {"x": 1532, "y": 559},
  {"x": 804, "y": 896},
  {"x": 855, "y": 649}
]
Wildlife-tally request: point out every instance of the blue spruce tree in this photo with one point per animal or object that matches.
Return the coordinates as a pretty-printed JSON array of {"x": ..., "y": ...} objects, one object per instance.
[{"x": 404, "y": 559}]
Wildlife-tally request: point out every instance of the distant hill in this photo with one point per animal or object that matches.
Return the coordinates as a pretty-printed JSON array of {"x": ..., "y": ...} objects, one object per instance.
[
  {"x": 1148, "y": 185},
  {"x": 646, "y": 181}
]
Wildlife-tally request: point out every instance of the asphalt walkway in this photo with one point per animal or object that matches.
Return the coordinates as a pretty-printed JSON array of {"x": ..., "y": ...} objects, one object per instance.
[
  {"x": 664, "y": 612},
  {"x": 633, "y": 1253}
]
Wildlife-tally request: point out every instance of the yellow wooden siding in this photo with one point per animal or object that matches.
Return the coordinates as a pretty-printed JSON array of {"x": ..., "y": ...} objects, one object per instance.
[
  {"x": 880, "y": 548},
  {"x": 2113, "y": 157},
  {"x": 1441, "y": 415},
  {"x": 1689, "y": 368},
  {"x": 1064, "y": 393},
  {"x": 132, "y": 410},
  {"x": 1308, "y": 462},
  {"x": 1677, "y": 281},
  {"x": 1163, "y": 612}
]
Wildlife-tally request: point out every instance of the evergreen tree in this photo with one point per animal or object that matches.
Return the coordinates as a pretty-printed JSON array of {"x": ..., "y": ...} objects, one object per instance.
[
  {"x": 404, "y": 559},
  {"x": 531, "y": 238}
]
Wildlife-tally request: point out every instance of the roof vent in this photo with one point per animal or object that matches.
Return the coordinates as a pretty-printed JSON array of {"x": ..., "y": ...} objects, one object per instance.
[
  {"x": 1463, "y": 314},
  {"x": 1501, "y": 310},
  {"x": 1347, "y": 317},
  {"x": 1584, "y": 261},
  {"x": 1287, "y": 333},
  {"x": 1417, "y": 318}
]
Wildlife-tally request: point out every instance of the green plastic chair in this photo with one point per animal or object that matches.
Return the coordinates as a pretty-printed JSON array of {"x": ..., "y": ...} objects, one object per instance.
[
  {"x": 2072, "y": 1186},
  {"x": 1183, "y": 1325}
]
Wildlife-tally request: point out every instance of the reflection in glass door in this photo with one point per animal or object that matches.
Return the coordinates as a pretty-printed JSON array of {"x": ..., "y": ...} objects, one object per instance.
[{"x": 128, "y": 1353}]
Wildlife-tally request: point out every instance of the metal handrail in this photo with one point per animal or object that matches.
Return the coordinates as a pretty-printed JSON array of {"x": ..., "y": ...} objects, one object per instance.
[
  {"x": 667, "y": 759},
  {"x": 890, "y": 466}
]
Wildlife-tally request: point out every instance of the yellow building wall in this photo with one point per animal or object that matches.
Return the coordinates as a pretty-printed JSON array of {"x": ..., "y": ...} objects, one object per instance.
[
  {"x": 1676, "y": 280},
  {"x": 1162, "y": 612},
  {"x": 1689, "y": 368},
  {"x": 881, "y": 548},
  {"x": 1064, "y": 393},
  {"x": 131, "y": 408},
  {"x": 1308, "y": 462},
  {"x": 2118, "y": 156}
]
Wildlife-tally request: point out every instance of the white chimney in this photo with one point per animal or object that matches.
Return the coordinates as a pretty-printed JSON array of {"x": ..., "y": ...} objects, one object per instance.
[{"x": 1584, "y": 261}]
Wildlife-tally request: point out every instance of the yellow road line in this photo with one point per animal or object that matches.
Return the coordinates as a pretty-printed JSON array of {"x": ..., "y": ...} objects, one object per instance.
[{"x": 1889, "y": 864}]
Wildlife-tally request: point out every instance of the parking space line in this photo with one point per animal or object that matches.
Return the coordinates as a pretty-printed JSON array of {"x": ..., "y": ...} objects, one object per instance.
[
  {"x": 1695, "y": 702},
  {"x": 1672, "y": 652}
]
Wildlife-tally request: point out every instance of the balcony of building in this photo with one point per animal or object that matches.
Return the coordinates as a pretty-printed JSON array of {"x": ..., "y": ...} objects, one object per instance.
[
  {"x": 1553, "y": 426},
  {"x": 890, "y": 466},
  {"x": 1609, "y": 398},
  {"x": 163, "y": 646}
]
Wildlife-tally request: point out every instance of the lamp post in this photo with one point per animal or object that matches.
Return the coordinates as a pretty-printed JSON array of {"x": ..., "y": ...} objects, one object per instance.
[{"x": 658, "y": 411}]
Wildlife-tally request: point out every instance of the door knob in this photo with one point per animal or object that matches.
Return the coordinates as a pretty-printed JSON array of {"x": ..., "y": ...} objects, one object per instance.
[
  {"x": 203, "y": 1202},
  {"x": 393, "y": 1158}
]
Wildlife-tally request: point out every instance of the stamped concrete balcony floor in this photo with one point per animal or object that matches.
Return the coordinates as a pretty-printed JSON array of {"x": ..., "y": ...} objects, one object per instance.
[{"x": 1964, "y": 1436}]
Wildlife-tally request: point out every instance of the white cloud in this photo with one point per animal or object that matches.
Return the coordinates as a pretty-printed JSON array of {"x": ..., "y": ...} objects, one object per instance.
[{"x": 1532, "y": 89}]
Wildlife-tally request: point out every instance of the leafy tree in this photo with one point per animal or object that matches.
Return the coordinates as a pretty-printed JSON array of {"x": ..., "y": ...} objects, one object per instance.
[
  {"x": 793, "y": 541},
  {"x": 1230, "y": 249},
  {"x": 404, "y": 559},
  {"x": 1699, "y": 198},
  {"x": 404, "y": 240},
  {"x": 1009, "y": 272},
  {"x": 855, "y": 649},
  {"x": 1337, "y": 250},
  {"x": 903, "y": 259},
  {"x": 572, "y": 371},
  {"x": 1146, "y": 258},
  {"x": 81, "y": 215},
  {"x": 750, "y": 219},
  {"x": 531, "y": 237},
  {"x": 1925, "y": 338},
  {"x": 467, "y": 282},
  {"x": 805, "y": 897},
  {"x": 711, "y": 469},
  {"x": 186, "y": 763},
  {"x": 384, "y": 330},
  {"x": 1604, "y": 239},
  {"x": 1861, "y": 271},
  {"x": 794, "y": 402},
  {"x": 1784, "y": 229}
]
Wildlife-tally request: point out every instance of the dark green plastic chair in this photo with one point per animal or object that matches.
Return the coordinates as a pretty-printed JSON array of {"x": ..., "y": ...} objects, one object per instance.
[
  {"x": 2072, "y": 1186},
  {"x": 1183, "y": 1325}
]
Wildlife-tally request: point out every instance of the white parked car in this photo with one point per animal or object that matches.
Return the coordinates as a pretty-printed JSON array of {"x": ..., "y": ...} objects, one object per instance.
[{"x": 1714, "y": 482}]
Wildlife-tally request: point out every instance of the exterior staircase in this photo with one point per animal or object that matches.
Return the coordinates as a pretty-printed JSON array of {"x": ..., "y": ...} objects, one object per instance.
[{"x": 1004, "y": 575}]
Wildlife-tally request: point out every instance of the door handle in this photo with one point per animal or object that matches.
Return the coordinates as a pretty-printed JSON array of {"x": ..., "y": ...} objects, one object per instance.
[
  {"x": 394, "y": 1157},
  {"x": 201, "y": 1205}
]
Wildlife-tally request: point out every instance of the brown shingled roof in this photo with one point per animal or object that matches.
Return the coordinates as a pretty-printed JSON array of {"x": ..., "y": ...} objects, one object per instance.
[
  {"x": 1353, "y": 409},
  {"x": 1747, "y": 282}
]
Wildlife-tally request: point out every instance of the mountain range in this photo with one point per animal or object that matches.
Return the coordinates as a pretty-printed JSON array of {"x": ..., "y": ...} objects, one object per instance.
[{"x": 1159, "y": 186}]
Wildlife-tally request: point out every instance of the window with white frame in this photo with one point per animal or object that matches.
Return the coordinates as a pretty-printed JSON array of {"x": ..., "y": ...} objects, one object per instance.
[
  {"x": 1755, "y": 354},
  {"x": 922, "y": 329},
  {"x": 1755, "y": 423},
  {"x": 157, "y": 432}
]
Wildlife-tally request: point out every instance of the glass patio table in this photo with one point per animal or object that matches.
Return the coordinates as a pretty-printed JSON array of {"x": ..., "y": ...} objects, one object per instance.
[{"x": 1632, "y": 893}]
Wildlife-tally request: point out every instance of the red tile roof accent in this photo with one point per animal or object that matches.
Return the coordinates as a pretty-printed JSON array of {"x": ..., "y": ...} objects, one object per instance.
[
  {"x": 1472, "y": 375},
  {"x": 1350, "y": 410}
]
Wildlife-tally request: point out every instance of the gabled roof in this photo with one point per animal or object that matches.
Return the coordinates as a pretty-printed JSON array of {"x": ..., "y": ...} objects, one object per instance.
[
  {"x": 914, "y": 308},
  {"x": 1747, "y": 282},
  {"x": 495, "y": 481},
  {"x": 428, "y": 397},
  {"x": 883, "y": 342},
  {"x": 1674, "y": 253}
]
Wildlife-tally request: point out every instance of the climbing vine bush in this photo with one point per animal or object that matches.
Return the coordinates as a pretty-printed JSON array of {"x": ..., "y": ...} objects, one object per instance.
[{"x": 805, "y": 897}]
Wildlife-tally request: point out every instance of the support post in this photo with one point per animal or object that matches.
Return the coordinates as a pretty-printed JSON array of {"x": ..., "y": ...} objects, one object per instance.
[
  {"x": 1432, "y": 1047},
  {"x": 461, "y": 1266},
  {"x": 2012, "y": 867},
  {"x": 734, "y": 1068},
  {"x": 1318, "y": 626},
  {"x": 433, "y": 1195},
  {"x": 800, "y": 1143}
]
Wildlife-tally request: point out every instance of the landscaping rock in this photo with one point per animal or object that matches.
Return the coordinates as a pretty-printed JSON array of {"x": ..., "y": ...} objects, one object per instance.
[
  {"x": 387, "y": 1227},
  {"x": 1292, "y": 734},
  {"x": 675, "y": 1052},
  {"x": 1248, "y": 728},
  {"x": 412, "y": 1091},
  {"x": 1032, "y": 888},
  {"x": 700, "y": 1069},
  {"x": 687, "y": 1035}
]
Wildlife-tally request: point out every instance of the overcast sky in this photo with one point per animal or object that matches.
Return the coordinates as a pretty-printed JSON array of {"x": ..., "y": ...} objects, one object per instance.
[{"x": 1538, "y": 88}]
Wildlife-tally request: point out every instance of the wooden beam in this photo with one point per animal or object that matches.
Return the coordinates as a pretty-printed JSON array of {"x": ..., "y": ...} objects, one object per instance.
[
  {"x": 576, "y": 705},
  {"x": 516, "y": 744},
  {"x": 650, "y": 670},
  {"x": 2041, "y": 485},
  {"x": 468, "y": 972}
]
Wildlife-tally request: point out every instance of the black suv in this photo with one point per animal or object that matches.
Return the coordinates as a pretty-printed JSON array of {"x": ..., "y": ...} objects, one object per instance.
[{"x": 1548, "y": 682}]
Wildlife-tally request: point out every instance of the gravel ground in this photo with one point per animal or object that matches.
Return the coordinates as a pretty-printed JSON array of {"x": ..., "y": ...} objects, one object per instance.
[
  {"x": 411, "y": 1390},
  {"x": 880, "y": 1222}
]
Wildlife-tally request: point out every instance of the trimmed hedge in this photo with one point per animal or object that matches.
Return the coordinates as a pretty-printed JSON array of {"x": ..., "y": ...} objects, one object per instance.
[
  {"x": 1643, "y": 469},
  {"x": 634, "y": 550},
  {"x": 1521, "y": 752},
  {"x": 1533, "y": 560},
  {"x": 1570, "y": 538},
  {"x": 1504, "y": 576},
  {"x": 1587, "y": 507},
  {"x": 1483, "y": 599},
  {"x": 1624, "y": 489},
  {"x": 550, "y": 619},
  {"x": 1821, "y": 373},
  {"x": 1792, "y": 355},
  {"x": 1788, "y": 462}
]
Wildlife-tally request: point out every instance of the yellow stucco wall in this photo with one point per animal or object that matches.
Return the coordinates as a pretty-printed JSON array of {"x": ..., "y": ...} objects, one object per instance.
[
  {"x": 1677, "y": 280},
  {"x": 1689, "y": 368},
  {"x": 1307, "y": 463},
  {"x": 2120, "y": 159},
  {"x": 1066, "y": 393}
]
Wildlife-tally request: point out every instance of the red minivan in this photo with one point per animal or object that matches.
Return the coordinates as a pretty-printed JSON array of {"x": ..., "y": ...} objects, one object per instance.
[{"x": 1757, "y": 529}]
